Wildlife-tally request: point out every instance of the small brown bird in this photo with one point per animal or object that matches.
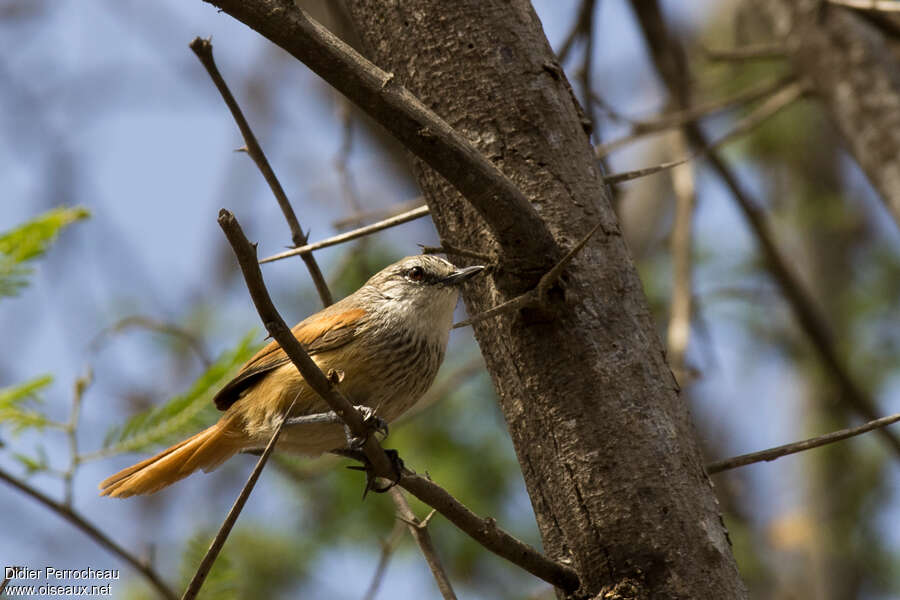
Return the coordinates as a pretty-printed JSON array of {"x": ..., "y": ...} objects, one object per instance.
[{"x": 387, "y": 340}]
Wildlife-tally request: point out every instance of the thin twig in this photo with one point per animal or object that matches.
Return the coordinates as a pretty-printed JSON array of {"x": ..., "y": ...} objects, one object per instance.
[
  {"x": 93, "y": 532},
  {"x": 485, "y": 531},
  {"x": 763, "y": 51},
  {"x": 142, "y": 322},
  {"x": 644, "y": 127},
  {"x": 348, "y": 187},
  {"x": 879, "y": 5},
  {"x": 514, "y": 221},
  {"x": 681, "y": 246},
  {"x": 357, "y": 219},
  {"x": 203, "y": 49},
  {"x": 215, "y": 547},
  {"x": 647, "y": 171},
  {"x": 71, "y": 429},
  {"x": 387, "y": 550},
  {"x": 778, "y": 101},
  {"x": 587, "y": 61},
  {"x": 579, "y": 29},
  {"x": 608, "y": 109},
  {"x": 488, "y": 534},
  {"x": 419, "y": 531},
  {"x": 410, "y": 215},
  {"x": 795, "y": 447},
  {"x": 536, "y": 296}
]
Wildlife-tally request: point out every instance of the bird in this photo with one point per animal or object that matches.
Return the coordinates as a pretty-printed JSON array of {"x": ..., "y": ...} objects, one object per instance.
[{"x": 385, "y": 341}]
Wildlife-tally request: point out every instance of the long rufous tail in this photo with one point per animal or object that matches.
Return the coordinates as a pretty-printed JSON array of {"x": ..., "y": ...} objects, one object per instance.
[{"x": 206, "y": 450}]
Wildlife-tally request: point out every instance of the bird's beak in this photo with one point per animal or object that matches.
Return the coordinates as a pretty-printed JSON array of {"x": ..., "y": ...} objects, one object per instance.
[{"x": 462, "y": 275}]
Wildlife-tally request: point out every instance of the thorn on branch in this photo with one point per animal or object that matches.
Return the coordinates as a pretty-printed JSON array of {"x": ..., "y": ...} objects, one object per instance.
[{"x": 538, "y": 296}]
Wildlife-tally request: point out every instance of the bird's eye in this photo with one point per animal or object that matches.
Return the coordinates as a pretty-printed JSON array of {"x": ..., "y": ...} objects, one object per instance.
[{"x": 416, "y": 274}]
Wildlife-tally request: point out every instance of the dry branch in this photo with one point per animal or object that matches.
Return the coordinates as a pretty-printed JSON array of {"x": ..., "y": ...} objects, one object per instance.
[
  {"x": 93, "y": 532},
  {"x": 410, "y": 215},
  {"x": 681, "y": 247},
  {"x": 419, "y": 531},
  {"x": 644, "y": 127},
  {"x": 795, "y": 447},
  {"x": 216, "y": 546},
  {"x": 766, "y": 51},
  {"x": 878, "y": 5},
  {"x": 203, "y": 49}
]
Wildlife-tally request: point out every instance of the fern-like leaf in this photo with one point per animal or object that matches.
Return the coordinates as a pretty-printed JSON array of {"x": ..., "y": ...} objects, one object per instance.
[
  {"x": 16, "y": 402},
  {"x": 28, "y": 242},
  {"x": 180, "y": 415}
]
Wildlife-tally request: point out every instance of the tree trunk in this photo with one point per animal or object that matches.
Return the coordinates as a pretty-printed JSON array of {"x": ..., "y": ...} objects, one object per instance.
[
  {"x": 854, "y": 66},
  {"x": 605, "y": 442}
]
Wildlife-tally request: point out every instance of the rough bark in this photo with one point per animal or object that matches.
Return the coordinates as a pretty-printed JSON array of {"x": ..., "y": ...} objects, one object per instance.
[
  {"x": 606, "y": 445},
  {"x": 853, "y": 64}
]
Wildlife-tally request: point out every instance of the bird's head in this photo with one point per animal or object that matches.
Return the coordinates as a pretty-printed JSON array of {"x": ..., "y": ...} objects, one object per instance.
[{"x": 424, "y": 287}]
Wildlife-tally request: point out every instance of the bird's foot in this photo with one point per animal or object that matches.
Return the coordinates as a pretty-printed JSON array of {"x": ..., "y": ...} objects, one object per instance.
[
  {"x": 373, "y": 423},
  {"x": 372, "y": 479}
]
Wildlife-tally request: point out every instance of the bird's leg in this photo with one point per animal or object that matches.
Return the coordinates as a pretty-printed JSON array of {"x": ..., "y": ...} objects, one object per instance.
[
  {"x": 371, "y": 479},
  {"x": 371, "y": 421},
  {"x": 326, "y": 418},
  {"x": 378, "y": 424}
]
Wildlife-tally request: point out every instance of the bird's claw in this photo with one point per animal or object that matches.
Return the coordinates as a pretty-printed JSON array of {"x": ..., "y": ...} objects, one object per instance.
[
  {"x": 372, "y": 479},
  {"x": 373, "y": 422}
]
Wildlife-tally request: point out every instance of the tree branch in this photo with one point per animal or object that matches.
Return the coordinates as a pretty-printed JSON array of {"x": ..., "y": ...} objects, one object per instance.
[
  {"x": 387, "y": 549},
  {"x": 580, "y": 28},
  {"x": 203, "y": 49},
  {"x": 485, "y": 531},
  {"x": 142, "y": 322},
  {"x": 645, "y": 127},
  {"x": 879, "y": 5},
  {"x": 419, "y": 531},
  {"x": 216, "y": 546},
  {"x": 795, "y": 447},
  {"x": 93, "y": 532},
  {"x": 765, "y": 51},
  {"x": 536, "y": 296},
  {"x": 681, "y": 248},
  {"x": 411, "y": 215},
  {"x": 521, "y": 233},
  {"x": 357, "y": 219},
  {"x": 789, "y": 94}
]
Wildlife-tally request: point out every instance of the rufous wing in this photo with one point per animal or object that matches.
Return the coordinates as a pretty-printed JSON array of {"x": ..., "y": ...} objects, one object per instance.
[{"x": 326, "y": 330}]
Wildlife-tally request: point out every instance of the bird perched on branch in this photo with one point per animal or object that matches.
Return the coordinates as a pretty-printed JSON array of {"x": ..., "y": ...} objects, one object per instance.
[{"x": 384, "y": 342}]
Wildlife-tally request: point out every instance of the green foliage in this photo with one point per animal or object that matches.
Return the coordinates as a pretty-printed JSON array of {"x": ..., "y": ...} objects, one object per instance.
[
  {"x": 28, "y": 242},
  {"x": 33, "y": 464},
  {"x": 181, "y": 414},
  {"x": 15, "y": 401}
]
